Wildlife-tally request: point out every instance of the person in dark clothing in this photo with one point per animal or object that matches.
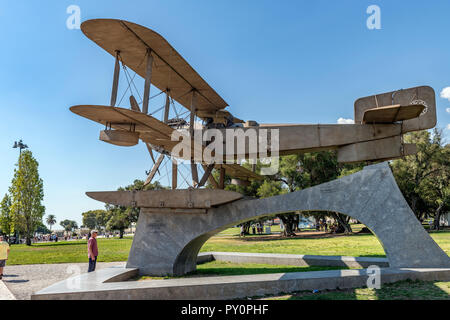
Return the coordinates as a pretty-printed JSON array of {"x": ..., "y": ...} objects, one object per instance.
[{"x": 92, "y": 251}]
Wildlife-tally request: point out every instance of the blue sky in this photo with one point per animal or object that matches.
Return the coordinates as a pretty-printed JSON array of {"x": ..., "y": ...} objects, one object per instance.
[{"x": 272, "y": 61}]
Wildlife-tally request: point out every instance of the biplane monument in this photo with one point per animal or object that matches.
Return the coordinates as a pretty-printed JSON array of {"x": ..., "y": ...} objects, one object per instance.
[{"x": 174, "y": 224}]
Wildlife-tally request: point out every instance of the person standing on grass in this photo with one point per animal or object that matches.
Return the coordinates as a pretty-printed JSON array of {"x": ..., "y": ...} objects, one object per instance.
[
  {"x": 4, "y": 253},
  {"x": 92, "y": 251}
]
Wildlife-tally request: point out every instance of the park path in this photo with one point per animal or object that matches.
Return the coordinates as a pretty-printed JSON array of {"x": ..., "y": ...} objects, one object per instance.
[{"x": 24, "y": 280}]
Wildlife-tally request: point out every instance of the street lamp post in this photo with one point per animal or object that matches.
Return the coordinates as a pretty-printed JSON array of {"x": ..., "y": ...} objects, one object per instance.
[{"x": 19, "y": 144}]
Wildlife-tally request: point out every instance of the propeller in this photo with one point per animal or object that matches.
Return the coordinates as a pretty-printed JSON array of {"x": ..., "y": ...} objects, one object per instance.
[
  {"x": 154, "y": 170},
  {"x": 134, "y": 105}
]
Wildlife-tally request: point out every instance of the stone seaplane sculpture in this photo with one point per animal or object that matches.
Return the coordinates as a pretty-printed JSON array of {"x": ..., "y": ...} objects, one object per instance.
[{"x": 174, "y": 224}]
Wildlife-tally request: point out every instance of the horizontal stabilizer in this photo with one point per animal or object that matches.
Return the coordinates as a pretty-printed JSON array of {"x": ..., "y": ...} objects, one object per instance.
[
  {"x": 423, "y": 95},
  {"x": 391, "y": 114}
]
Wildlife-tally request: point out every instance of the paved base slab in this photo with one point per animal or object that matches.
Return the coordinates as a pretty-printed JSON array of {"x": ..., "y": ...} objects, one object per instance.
[
  {"x": 293, "y": 259},
  {"x": 5, "y": 294},
  {"x": 24, "y": 280},
  {"x": 98, "y": 286}
]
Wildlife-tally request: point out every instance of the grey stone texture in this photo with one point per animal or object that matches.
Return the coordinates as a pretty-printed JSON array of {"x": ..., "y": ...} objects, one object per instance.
[
  {"x": 97, "y": 285},
  {"x": 168, "y": 243}
]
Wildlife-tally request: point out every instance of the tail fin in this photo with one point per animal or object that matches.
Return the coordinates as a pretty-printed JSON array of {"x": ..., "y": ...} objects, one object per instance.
[{"x": 402, "y": 105}]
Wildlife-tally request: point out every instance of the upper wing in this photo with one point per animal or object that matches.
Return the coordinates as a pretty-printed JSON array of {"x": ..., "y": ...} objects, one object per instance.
[
  {"x": 150, "y": 129},
  {"x": 169, "y": 70}
]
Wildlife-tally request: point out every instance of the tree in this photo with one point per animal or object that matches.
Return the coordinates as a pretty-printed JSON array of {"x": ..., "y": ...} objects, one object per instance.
[
  {"x": 293, "y": 177},
  {"x": 435, "y": 189},
  {"x": 102, "y": 217},
  {"x": 423, "y": 177},
  {"x": 119, "y": 220},
  {"x": 298, "y": 172},
  {"x": 51, "y": 220},
  {"x": 6, "y": 220},
  {"x": 90, "y": 219},
  {"x": 133, "y": 213},
  {"x": 69, "y": 225},
  {"x": 301, "y": 171},
  {"x": 95, "y": 219},
  {"x": 250, "y": 190},
  {"x": 119, "y": 217},
  {"x": 27, "y": 193},
  {"x": 323, "y": 167},
  {"x": 41, "y": 228}
]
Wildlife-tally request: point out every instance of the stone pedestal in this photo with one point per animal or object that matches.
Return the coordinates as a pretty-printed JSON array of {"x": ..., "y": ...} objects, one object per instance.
[{"x": 168, "y": 243}]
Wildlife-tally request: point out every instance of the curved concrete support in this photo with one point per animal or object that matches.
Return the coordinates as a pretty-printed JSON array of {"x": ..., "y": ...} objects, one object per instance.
[{"x": 168, "y": 243}]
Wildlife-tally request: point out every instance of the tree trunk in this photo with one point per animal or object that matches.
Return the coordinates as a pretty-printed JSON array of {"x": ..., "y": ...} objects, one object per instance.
[
  {"x": 343, "y": 223},
  {"x": 28, "y": 236},
  {"x": 288, "y": 222},
  {"x": 247, "y": 227},
  {"x": 295, "y": 222},
  {"x": 121, "y": 231},
  {"x": 414, "y": 209},
  {"x": 437, "y": 217}
]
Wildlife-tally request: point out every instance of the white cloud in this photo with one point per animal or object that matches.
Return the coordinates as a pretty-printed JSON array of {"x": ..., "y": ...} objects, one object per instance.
[
  {"x": 448, "y": 110},
  {"x": 448, "y": 127},
  {"x": 345, "y": 121},
  {"x": 445, "y": 94}
]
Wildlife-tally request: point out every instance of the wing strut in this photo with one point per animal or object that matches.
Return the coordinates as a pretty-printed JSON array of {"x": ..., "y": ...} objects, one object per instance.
[
  {"x": 148, "y": 78},
  {"x": 211, "y": 178},
  {"x": 154, "y": 169},
  {"x": 222, "y": 178},
  {"x": 174, "y": 173},
  {"x": 167, "y": 106},
  {"x": 191, "y": 131},
  {"x": 206, "y": 175},
  {"x": 115, "y": 80}
]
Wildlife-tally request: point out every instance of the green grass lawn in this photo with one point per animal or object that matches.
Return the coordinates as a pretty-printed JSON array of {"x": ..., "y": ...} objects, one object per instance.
[
  {"x": 69, "y": 252},
  {"x": 118, "y": 249},
  {"x": 402, "y": 290},
  {"x": 355, "y": 245}
]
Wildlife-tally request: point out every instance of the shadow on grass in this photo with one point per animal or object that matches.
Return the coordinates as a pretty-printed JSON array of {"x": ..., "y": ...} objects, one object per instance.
[
  {"x": 224, "y": 271},
  {"x": 211, "y": 270},
  {"x": 267, "y": 237}
]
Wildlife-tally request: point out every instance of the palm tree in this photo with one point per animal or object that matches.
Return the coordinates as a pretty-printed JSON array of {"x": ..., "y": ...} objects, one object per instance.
[{"x": 51, "y": 220}]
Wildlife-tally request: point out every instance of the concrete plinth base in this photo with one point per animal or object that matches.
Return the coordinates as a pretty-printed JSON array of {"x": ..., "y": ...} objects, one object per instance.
[
  {"x": 168, "y": 243},
  {"x": 98, "y": 285}
]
